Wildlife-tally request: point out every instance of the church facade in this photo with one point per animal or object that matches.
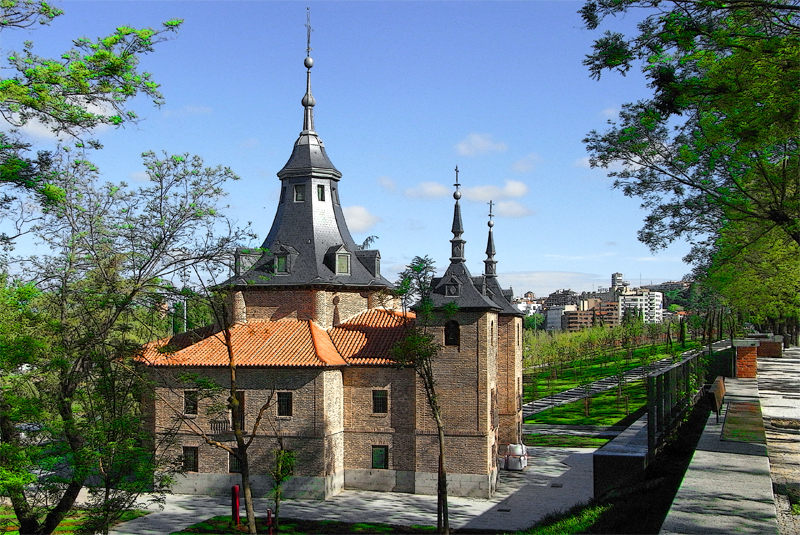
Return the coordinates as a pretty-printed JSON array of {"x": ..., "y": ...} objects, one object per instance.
[{"x": 312, "y": 324}]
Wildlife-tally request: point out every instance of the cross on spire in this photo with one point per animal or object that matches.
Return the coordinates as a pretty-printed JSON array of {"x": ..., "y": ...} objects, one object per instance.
[
  {"x": 308, "y": 31},
  {"x": 457, "y": 184},
  {"x": 490, "y": 210}
]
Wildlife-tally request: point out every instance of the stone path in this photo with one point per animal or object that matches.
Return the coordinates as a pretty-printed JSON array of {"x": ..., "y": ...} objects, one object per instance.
[{"x": 779, "y": 386}]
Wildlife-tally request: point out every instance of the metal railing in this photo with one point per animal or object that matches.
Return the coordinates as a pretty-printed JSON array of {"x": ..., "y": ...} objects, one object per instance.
[{"x": 670, "y": 393}]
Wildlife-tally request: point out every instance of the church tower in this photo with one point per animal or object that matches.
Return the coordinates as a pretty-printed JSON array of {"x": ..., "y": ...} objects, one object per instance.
[{"x": 308, "y": 267}]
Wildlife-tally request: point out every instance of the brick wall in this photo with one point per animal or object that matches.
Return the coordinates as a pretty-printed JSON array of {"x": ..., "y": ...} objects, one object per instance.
[
  {"x": 746, "y": 362},
  {"x": 279, "y": 304},
  {"x": 770, "y": 349},
  {"x": 509, "y": 378}
]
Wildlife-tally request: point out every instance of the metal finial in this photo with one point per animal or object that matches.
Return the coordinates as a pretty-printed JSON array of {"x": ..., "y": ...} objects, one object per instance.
[
  {"x": 308, "y": 31},
  {"x": 457, "y": 193},
  {"x": 491, "y": 223}
]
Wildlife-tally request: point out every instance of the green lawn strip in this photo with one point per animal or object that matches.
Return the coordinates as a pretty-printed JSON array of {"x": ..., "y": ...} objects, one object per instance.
[
  {"x": 223, "y": 525},
  {"x": 604, "y": 408},
  {"x": 581, "y": 372},
  {"x": 564, "y": 441},
  {"x": 68, "y": 526},
  {"x": 576, "y": 520}
]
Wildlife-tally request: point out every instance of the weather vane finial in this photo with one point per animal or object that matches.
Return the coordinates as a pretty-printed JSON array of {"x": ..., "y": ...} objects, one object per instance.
[
  {"x": 456, "y": 184},
  {"x": 308, "y": 31}
]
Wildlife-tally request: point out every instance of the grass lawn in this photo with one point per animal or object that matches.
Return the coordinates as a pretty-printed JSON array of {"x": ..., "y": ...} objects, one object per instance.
[
  {"x": 70, "y": 524},
  {"x": 564, "y": 441},
  {"x": 604, "y": 408},
  {"x": 574, "y": 374},
  {"x": 220, "y": 525}
]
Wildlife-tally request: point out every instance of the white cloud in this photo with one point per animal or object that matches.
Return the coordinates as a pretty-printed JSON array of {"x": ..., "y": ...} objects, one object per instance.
[
  {"x": 187, "y": 111},
  {"x": 512, "y": 209},
  {"x": 542, "y": 283},
  {"x": 387, "y": 183},
  {"x": 578, "y": 258},
  {"x": 359, "y": 219},
  {"x": 139, "y": 176},
  {"x": 610, "y": 113},
  {"x": 512, "y": 189},
  {"x": 427, "y": 190},
  {"x": 475, "y": 144},
  {"x": 526, "y": 164},
  {"x": 582, "y": 162}
]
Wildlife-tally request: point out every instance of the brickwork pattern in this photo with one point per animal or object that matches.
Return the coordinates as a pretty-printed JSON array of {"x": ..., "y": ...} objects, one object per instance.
[
  {"x": 770, "y": 349},
  {"x": 746, "y": 362},
  {"x": 279, "y": 304}
]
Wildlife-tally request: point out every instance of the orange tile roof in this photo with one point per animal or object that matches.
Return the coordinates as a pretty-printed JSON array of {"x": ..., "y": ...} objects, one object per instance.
[
  {"x": 256, "y": 343},
  {"x": 364, "y": 339},
  {"x": 368, "y": 337}
]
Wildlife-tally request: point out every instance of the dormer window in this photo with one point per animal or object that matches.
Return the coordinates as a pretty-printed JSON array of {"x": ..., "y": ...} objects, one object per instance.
[
  {"x": 452, "y": 290},
  {"x": 300, "y": 193},
  {"x": 281, "y": 264},
  {"x": 342, "y": 264},
  {"x": 320, "y": 192}
]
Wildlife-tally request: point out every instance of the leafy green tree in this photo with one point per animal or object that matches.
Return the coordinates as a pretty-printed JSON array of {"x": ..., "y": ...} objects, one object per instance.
[
  {"x": 760, "y": 278},
  {"x": 88, "y": 85},
  {"x": 114, "y": 253},
  {"x": 418, "y": 350},
  {"x": 534, "y": 322},
  {"x": 718, "y": 140}
]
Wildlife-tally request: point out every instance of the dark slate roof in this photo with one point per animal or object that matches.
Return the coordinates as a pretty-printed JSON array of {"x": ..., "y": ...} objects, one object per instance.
[
  {"x": 309, "y": 156},
  {"x": 457, "y": 285},
  {"x": 501, "y": 297}
]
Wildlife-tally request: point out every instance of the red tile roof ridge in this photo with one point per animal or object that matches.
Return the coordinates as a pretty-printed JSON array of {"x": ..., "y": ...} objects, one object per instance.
[
  {"x": 361, "y": 315},
  {"x": 323, "y": 346}
]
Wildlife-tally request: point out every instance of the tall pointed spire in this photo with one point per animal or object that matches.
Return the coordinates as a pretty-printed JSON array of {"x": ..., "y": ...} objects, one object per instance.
[
  {"x": 308, "y": 99},
  {"x": 490, "y": 262},
  {"x": 457, "y": 247}
]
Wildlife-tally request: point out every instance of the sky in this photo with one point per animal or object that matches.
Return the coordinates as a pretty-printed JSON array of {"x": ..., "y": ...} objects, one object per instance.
[{"x": 405, "y": 92}]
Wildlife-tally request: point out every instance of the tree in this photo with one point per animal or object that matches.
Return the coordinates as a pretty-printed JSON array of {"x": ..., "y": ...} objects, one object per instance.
[
  {"x": 759, "y": 279},
  {"x": 86, "y": 86},
  {"x": 534, "y": 322},
  {"x": 114, "y": 251},
  {"x": 718, "y": 141},
  {"x": 418, "y": 350}
]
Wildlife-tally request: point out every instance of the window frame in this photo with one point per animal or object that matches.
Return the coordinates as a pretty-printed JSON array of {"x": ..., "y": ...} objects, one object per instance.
[
  {"x": 385, "y": 449},
  {"x": 281, "y": 405},
  {"x": 299, "y": 193},
  {"x": 190, "y": 403},
  {"x": 282, "y": 264},
  {"x": 380, "y": 400},
  {"x": 320, "y": 192},
  {"x": 452, "y": 333},
  {"x": 339, "y": 258},
  {"x": 234, "y": 464},
  {"x": 194, "y": 465}
]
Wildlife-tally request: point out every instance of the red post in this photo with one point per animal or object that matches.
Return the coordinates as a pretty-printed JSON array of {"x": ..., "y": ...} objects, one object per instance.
[
  {"x": 269, "y": 520},
  {"x": 235, "y": 503}
]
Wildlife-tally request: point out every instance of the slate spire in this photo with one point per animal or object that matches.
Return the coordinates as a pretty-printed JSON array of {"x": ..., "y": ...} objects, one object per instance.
[
  {"x": 457, "y": 244},
  {"x": 490, "y": 262}
]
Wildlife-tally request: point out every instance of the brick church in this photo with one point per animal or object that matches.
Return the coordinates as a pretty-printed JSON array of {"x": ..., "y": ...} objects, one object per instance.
[{"x": 312, "y": 326}]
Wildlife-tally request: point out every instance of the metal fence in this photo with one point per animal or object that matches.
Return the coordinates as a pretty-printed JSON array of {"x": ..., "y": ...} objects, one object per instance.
[{"x": 670, "y": 393}]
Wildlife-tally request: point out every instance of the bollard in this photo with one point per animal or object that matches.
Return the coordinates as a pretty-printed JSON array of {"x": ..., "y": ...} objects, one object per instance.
[
  {"x": 269, "y": 520},
  {"x": 235, "y": 504}
]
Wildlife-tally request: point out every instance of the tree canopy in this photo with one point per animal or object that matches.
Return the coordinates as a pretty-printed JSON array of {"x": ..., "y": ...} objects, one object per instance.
[{"x": 717, "y": 143}]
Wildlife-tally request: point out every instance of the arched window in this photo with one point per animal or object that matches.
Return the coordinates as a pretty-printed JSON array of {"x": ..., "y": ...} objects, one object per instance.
[{"x": 452, "y": 333}]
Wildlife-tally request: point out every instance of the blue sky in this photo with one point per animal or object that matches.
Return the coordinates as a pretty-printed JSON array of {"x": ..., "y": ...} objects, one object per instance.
[{"x": 405, "y": 91}]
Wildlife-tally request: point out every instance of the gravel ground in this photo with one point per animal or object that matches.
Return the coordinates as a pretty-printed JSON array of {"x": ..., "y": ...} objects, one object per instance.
[{"x": 784, "y": 463}]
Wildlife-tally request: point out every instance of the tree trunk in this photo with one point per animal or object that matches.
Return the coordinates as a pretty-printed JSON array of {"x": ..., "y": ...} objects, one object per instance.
[{"x": 442, "y": 520}]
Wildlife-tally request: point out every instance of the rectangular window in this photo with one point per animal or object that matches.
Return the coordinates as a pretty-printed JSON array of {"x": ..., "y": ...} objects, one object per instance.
[
  {"x": 190, "y": 402},
  {"x": 320, "y": 192},
  {"x": 284, "y": 403},
  {"x": 343, "y": 263},
  {"x": 380, "y": 457},
  {"x": 280, "y": 264},
  {"x": 190, "y": 459},
  {"x": 234, "y": 465},
  {"x": 380, "y": 401},
  {"x": 299, "y": 193}
]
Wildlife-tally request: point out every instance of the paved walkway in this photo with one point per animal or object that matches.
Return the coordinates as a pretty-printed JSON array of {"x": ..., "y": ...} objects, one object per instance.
[{"x": 557, "y": 478}]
